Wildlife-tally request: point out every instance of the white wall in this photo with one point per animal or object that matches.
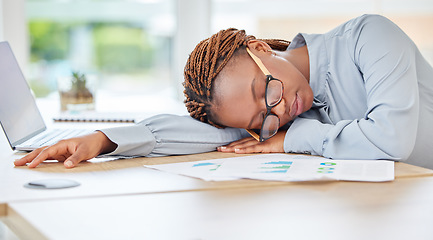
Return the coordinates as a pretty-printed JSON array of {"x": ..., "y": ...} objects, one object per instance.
[
  {"x": 13, "y": 28},
  {"x": 1, "y": 20},
  {"x": 193, "y": 25}
]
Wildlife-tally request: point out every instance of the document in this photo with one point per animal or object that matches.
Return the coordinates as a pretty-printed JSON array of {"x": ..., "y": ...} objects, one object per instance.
[{"x": 283, "y": 167}]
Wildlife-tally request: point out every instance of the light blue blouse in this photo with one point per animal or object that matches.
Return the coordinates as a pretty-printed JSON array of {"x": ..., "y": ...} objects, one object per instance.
[{"x": 373, "y": 99}]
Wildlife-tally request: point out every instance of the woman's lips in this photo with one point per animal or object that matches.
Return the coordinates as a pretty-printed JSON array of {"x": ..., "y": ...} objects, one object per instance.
[{"x": 297, "y": 107}]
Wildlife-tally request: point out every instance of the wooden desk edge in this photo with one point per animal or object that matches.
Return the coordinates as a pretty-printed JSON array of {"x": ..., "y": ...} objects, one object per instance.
[
  {"x": 20, "y": 226},
  {"x": 3, "y": 209},
  {"x": 405, "y": 170}
]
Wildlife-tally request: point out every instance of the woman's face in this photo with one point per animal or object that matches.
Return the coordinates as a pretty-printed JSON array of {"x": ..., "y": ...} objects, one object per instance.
[{"x": 240, "y": 91}]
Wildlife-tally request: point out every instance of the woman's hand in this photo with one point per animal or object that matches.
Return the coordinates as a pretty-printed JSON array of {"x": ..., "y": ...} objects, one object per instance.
[
  {"x": 251, "y": 145},
  {"x": 71, "y": 151}
]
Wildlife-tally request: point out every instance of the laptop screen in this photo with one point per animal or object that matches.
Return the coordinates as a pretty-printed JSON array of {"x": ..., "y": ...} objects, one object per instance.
[{"x": 19, "y": 115}]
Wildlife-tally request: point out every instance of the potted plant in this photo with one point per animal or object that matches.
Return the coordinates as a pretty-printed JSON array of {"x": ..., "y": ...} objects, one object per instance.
[{"x": 75, "y": 93}]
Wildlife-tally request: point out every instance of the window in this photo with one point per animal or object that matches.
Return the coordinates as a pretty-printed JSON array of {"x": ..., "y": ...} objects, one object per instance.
[{"x": 127, "y": 44}]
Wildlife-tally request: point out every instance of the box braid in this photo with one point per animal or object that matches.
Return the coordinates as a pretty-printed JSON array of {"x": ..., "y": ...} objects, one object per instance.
[{"x": 206, "y": 61}]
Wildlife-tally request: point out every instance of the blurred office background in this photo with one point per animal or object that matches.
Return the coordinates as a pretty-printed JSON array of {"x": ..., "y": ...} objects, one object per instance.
[{"x": 139, "y": 47}]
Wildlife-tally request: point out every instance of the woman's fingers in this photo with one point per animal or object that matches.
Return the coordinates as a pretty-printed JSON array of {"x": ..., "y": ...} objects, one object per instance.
[
  {"x": 71, "y": 151},
  {"x": 29, "y": 157},
  {"x": 255, "y": 148},
  {"x": 274, "y": 144},
  {"x": 250, "y": 145},
  {"x": 238, "y": 144},
  {"x": 59, "y": 151},
  {"x": 241, "y": 141},
  {"x": 80, "y": 154},
  {"x": 52, "y": 152}
]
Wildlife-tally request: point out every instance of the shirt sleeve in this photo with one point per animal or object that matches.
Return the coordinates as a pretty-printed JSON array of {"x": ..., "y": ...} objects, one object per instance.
[
  {"x": 385, "y": 56},
  {"x": 167, "y": 134}
]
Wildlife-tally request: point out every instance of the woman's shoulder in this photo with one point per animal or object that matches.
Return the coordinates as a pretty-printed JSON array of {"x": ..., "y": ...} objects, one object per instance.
[
  {"x": 364, "y": 28},
  {"x": 366, "y": 20},
  {"x": 371, "y": 20}
]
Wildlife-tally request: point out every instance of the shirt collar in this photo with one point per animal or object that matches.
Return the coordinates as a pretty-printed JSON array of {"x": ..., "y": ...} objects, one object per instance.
[{"x": 318, "y": 61}]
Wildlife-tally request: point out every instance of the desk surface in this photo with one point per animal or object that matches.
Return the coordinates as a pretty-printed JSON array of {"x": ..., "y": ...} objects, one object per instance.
[{"x": 401, "y": 209}]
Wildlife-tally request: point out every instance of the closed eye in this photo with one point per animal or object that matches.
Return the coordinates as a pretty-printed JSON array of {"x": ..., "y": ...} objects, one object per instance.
[{"x": 258, "y": 90}]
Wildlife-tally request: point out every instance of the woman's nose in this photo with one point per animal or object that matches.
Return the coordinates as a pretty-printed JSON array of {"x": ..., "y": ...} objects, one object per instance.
[{"x": 279, "y": 109}]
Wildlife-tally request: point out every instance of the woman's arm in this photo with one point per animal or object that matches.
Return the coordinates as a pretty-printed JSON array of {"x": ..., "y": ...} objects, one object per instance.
[
  {"x": 385, "y": 56},
  {"x": 156, "y": 136},
  {"x": 168, "y": 134}
]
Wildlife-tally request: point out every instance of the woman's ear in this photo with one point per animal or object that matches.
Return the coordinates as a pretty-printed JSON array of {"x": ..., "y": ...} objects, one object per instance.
[{"x": 258, "y": 47}]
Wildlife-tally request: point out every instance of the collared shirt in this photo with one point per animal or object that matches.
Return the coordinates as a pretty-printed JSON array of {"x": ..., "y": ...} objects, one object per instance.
[
  {"x": 373, "y": 95},
  {"x": 373, "y": 99}
]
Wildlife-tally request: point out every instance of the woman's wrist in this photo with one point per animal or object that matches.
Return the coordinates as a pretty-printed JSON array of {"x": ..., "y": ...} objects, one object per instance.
[{"x": 107, "y": 145}]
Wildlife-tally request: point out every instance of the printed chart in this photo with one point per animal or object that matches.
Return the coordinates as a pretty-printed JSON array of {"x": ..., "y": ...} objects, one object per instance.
[{"x": 283, "y": 167}]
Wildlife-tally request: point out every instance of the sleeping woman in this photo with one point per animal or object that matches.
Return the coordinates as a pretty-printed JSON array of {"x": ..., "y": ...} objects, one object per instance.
[{"x": 360, "y": 91}]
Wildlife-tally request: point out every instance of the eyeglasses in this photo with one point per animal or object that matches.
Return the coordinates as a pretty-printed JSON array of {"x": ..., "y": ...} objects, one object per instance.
[{"x": 273, "y": 95}]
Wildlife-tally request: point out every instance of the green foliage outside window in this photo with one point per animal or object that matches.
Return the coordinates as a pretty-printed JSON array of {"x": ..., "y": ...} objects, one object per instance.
[
  {"x": 117, "y": 48},
  {"x": 121, "y": 49},
  {"x": 49, "y": 40}
]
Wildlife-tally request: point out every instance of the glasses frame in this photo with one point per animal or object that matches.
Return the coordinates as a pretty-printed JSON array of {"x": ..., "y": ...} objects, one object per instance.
[{"x": 269, "y": 78}]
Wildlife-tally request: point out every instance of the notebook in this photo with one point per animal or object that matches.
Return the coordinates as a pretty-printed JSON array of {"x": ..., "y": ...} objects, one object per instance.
[
  {"x": 20, "y": 117},
  {"x": 106, "y": 117}
]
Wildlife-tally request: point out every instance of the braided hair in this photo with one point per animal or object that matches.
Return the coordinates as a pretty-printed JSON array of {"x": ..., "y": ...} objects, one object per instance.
[{"x": 204, "y": 64}]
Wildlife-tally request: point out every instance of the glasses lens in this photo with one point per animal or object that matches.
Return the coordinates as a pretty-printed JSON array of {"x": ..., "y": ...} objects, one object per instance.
[
  {"x": 270, "y": 127},
  {"x": 274, "y": 92}
]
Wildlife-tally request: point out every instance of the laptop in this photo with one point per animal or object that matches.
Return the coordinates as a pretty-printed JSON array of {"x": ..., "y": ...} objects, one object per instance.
[{"x": 20, "y": 117}]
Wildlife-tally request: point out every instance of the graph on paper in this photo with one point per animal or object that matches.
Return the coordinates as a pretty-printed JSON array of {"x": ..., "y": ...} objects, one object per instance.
[
  {"x": 283, "y": 167},
  {"x": 209, "y": 166},
  {"x": 275, "y": 167}
]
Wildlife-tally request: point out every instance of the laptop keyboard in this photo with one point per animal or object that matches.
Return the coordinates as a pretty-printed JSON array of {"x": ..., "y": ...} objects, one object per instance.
[{"x": 51, "y": 137}]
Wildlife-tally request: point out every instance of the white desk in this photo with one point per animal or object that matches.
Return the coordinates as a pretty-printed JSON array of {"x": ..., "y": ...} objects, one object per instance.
[
  {"x": 128, "y": 192},
  {"x": 125, "y": 177},
  {"x": 402, "y": 209}
]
